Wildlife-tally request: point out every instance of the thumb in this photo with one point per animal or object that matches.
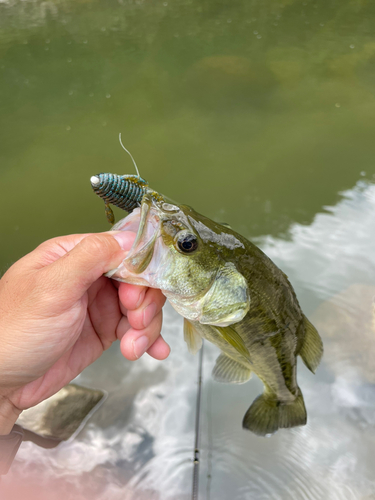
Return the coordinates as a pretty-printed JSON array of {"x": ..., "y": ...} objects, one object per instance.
[{"x": 93, "y": 256}]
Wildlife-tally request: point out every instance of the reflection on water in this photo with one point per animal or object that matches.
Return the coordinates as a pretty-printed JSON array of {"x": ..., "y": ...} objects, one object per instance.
[
  {"x": 348, "y": 322},
  {"x": 338, "y": 247},
  {"x": 329, "y": 458},
  {"x": 140, "y": 443},
  {"x": 256, "y": 113}
]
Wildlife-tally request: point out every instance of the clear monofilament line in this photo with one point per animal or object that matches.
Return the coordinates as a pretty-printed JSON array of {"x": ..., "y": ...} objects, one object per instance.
[{"x": 129, "y": 153}]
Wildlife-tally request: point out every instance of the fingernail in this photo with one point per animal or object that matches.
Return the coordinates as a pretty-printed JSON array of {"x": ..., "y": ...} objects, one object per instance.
[
  {"x": 141, "y": 298},
  {"x": 148, "y": 314},
  {"x": 122, "y": 239},
  {"x": 140, "y": 346}
]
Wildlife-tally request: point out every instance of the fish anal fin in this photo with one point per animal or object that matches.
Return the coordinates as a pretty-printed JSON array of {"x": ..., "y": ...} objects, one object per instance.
[
  {"x": 312, "y": 348},
  {"x": 192, "y": 337},
  {"x": 266, "y": 415},
  {"x": 229, "y": 371}
]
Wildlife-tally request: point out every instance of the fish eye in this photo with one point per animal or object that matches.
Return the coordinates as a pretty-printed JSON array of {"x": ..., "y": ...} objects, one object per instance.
[{"x": 187, "y": 243}]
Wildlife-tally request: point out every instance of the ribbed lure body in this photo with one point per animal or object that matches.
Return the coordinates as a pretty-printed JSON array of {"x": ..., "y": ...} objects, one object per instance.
[{"x": 123, "y": 191}]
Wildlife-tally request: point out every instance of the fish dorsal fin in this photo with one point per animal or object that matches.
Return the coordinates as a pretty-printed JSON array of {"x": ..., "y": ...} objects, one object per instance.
[
  {"x": 229, "y": 371},
  {"x": 230, "y": 335},
  {"x": 312, "y": 348},
  {"x": 192, "y": 337}
]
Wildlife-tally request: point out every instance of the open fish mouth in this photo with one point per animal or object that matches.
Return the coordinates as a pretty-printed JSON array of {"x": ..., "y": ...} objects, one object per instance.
[{"x": 143, "y": 262}]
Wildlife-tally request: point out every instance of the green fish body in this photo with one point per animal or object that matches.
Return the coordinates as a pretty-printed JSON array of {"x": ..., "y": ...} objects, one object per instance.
[{"x": 231, "y": 294}]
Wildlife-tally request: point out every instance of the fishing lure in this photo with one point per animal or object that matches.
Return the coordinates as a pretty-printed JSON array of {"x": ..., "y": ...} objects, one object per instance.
[{"x": 123, "y": 191}]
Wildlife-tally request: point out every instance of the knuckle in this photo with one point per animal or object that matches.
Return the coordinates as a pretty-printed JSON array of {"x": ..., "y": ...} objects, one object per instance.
[
  {"x": 47, "y": 243},
  {"x": 99, "y": 244}
]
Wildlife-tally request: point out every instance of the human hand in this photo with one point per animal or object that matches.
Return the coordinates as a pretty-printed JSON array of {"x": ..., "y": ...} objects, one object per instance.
[{"x": 58, "y": 313}]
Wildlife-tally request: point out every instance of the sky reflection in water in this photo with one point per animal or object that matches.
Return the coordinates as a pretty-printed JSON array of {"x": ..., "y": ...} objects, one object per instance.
[{"x": 146, "y": 451}]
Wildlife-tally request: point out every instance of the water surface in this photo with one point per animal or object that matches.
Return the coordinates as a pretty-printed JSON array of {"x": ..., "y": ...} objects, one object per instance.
[{"x": 257, "y": 113}]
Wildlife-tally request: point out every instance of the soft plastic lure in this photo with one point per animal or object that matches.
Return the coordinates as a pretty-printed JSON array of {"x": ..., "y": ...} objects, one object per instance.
[{"x": 123, "y": 191}]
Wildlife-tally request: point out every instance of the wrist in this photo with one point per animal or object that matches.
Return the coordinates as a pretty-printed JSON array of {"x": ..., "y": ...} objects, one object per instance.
[{"x": 8, "y": 415}]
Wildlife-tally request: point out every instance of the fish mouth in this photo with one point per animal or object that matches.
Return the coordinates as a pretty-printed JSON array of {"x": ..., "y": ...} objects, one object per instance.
[{"x": 144, "y": 260}]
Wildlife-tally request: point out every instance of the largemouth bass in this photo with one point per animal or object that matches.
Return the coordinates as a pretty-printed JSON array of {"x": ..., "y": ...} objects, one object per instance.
[{"x": 229, "y": 292}]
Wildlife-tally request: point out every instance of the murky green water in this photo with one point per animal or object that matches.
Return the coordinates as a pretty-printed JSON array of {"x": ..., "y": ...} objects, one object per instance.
[{"x": 257, "y": 113}]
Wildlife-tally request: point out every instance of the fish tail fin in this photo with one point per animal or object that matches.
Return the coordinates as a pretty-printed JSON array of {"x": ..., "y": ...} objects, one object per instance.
[
  {"x": 266, "y": 415},
  {"x": 312, "y": 348}
]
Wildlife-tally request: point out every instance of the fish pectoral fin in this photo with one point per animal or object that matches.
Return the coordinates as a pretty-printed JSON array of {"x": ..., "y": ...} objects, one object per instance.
[
  {"x": 267, "y": 414},
  {"x": 312, "y": 348},
  {"x": 230, "y": 335},
  {"x": 192, "y": 337},
  {"x": 229, "y": 371}
]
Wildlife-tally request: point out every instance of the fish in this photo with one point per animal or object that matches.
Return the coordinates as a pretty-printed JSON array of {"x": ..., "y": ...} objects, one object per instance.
[{"x": 228, "y": 292}]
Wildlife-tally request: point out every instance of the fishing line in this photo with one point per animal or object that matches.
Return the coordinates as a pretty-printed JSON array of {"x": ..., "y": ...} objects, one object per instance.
[
  {"x": 129, "y": 153},
  {"x": 194, "y": 495},
  {"x": 210, "y": 440}
]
